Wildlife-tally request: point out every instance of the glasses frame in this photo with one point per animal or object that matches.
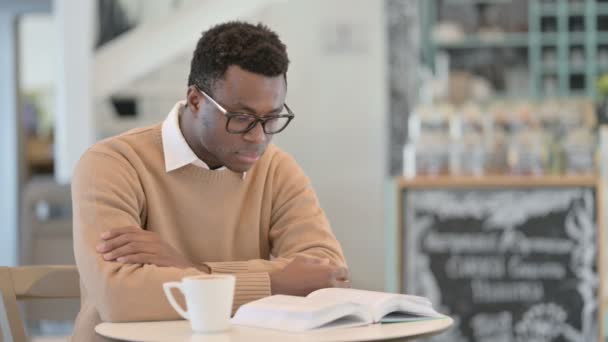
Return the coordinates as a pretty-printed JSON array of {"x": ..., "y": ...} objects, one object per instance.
[{"x": 262, "y": 120}]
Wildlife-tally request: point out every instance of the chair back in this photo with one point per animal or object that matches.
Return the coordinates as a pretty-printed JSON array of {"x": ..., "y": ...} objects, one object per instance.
[{"x": 31, "y": 282}]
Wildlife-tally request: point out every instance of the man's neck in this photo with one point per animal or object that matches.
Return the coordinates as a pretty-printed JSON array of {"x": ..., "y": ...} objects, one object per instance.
[{"x": 188, "y": 130}]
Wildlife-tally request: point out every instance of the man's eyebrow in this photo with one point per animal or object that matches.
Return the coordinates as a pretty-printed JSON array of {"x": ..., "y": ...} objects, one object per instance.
[{"x": 244, "y": 107}]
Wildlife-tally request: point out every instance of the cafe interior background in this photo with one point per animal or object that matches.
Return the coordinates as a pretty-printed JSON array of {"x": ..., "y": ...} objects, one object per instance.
[{"x": 458, "y": 147}]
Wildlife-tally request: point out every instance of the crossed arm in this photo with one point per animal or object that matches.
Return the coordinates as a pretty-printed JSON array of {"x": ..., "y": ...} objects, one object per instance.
[
  {"x": 123, "y": 266},
  {"x": 304, "y": 274}
]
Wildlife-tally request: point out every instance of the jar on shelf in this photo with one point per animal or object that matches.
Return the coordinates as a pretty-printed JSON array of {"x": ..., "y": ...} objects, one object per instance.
[
  {"x": 429, "y": 134},
  {"x": 579, "y": 139},
  {"x": 497, "y": 132},
  {"x": 549, "y": 118},
  {"x": 579, "y": 151},
  {"x": 468, "y": 154},
  {"x": 527, "y": 149}
]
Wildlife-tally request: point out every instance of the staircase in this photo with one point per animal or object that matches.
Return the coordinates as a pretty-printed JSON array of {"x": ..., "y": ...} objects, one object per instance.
[{"x": 150, "y": 62}]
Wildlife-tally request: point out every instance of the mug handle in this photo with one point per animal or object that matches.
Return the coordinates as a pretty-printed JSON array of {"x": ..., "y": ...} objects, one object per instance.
[{"x": 167, "y": 288}]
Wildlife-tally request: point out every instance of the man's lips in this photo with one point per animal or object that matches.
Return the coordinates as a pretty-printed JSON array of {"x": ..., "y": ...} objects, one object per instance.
[{"x": 248, "y": 157}]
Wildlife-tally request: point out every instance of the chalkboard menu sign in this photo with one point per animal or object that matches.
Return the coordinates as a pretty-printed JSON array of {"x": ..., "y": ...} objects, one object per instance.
[{"x": 507, "y": 264}]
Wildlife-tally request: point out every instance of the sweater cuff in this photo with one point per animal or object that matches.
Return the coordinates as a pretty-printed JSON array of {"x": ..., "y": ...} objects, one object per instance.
[
  {"x": 250, "y": 287},
  {"x": 231, "y": 267}
]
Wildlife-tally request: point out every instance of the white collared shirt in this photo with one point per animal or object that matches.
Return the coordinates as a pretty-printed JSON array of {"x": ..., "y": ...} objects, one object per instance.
[{"x": 176, "y": 150}]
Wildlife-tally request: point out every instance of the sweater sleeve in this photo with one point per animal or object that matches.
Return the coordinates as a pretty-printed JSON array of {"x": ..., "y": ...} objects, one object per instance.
[
  {"x": 106, "y": 194},
  {"x": 298, "y": 224}
]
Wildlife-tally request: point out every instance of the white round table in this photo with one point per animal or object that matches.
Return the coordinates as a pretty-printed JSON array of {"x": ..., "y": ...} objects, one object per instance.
[{"x": 177, "y": 331}]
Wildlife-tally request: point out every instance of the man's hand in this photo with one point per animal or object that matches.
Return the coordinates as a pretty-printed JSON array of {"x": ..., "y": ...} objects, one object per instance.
[
  {"x": 133, "y": 245},
  {"x": 305, "y": 274}
]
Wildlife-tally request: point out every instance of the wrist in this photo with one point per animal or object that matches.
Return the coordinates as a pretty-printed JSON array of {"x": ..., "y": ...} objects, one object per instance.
[
  {"x": 275, "y": 283},
  {"x": 203, "y": 268}
]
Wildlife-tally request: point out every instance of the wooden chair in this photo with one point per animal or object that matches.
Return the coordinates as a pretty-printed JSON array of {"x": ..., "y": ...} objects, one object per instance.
[{"x": 31, "y": 282}]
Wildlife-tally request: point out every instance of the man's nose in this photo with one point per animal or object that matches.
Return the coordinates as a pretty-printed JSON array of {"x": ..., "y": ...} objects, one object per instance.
[{"x": 256, "y": 134}]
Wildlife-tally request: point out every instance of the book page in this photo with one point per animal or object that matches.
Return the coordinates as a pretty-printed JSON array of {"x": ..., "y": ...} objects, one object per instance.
[
  {"x": 344, "y": 322},
  {"x": 293, "y": 304},
  {"x": 291, "y": 313},
  {"x": 365, "y": 297},
  {"x": 397, "y": 317},
  {"x": 378, "y": 303}
]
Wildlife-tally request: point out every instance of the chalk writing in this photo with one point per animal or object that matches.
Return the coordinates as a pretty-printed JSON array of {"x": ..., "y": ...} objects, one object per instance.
[
  {"x": 492, "y": 327},
  {"x": 475, "y": 267},
  {"x": 461, "y": 242},
  {"x": 511, "y": 265},
  {"x": 520, "y": 269},
  {"x": 502, "y": 292}
]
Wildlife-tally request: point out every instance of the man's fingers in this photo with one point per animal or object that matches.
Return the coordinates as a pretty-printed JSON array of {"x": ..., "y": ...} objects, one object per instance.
[
  {"x": 111, "y": 244},
  {"x": 120, "y": 240},
  {"x": 303, "y": 259},
  {"x": 111, "y": 233},
  {"x": 341, "y": 274},
  {"x": 130, "y": 248},
  {"x": 347, "y": 275},
  {"x": 138, "y": 258},
  {"x": 115, "y": 242},
  {"x": 342, "y": 284},
  {"x": 145, "y": 258},
  {"x": 341, "y": 277},
  {"x": 323, "y": 261},
  {"x": 311, "y": 259},
  {"x": 317, "y": 261}
]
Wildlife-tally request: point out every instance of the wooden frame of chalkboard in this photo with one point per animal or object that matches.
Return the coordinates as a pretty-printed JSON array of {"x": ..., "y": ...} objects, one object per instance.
[{"x": 509, "y": 258}]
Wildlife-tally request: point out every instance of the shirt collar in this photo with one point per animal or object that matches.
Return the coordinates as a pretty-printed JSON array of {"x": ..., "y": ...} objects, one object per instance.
[{"x": 176, "y": 150}]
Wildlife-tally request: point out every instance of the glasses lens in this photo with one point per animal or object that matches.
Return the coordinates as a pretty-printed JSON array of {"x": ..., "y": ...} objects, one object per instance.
[
  {"x": 240, "y": 123},
  {"x": 275, "y": 124}
]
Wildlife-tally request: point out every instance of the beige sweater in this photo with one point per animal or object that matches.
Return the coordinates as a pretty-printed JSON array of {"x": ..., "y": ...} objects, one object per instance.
[{"x": 217, "y": 218}]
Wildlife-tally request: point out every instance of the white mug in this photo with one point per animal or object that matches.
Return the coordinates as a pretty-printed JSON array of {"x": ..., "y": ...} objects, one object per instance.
[{"x": 208, "y": 301}]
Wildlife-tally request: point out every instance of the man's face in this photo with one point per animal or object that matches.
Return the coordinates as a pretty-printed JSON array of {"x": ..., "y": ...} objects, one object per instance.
[{"x": 243, "y": 92}]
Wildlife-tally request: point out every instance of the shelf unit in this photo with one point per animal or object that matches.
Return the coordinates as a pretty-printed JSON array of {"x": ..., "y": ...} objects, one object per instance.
[{"x": 584, "y": 39}]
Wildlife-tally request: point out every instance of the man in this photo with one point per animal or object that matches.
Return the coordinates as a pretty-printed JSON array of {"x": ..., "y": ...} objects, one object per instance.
[{"x": 202, "y": 192}]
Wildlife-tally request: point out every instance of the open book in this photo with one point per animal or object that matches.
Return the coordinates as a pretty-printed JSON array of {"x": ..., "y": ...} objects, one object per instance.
[{"x": 333, "y": 308}]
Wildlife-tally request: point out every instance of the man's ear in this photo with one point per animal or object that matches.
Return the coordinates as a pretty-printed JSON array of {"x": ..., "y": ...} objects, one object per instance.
[{"x": 194, "y": 99}]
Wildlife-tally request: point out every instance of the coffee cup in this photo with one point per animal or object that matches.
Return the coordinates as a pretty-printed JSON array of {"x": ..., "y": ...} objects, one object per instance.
[{"x": 208, "y": 301}]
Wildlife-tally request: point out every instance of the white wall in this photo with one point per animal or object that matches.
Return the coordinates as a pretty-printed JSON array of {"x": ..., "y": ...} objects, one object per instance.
[
  {"x": 37, "y": 51},
  {"x": 9, "y": 139},
  {"x": 337, "y": 89},
  {"x": 74, "y": 124}
]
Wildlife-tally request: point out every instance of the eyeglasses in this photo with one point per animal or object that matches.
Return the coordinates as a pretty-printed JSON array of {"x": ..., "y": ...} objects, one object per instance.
[{"x": 238, "y": 123}]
